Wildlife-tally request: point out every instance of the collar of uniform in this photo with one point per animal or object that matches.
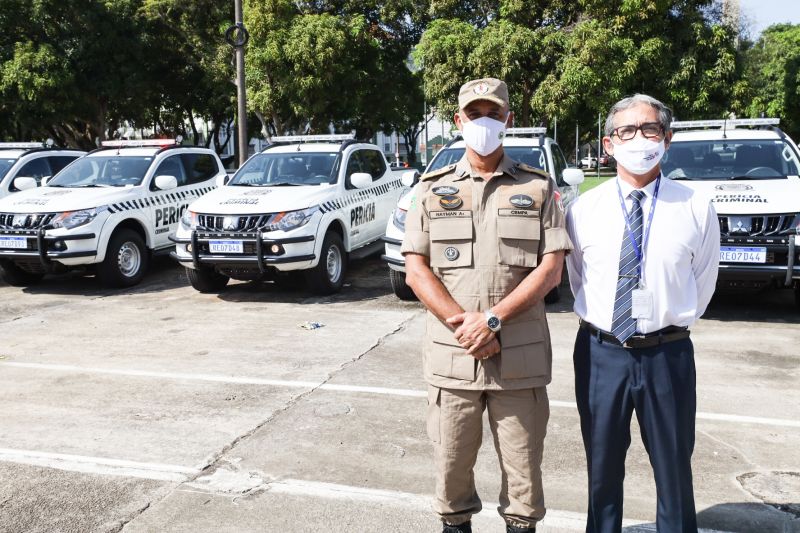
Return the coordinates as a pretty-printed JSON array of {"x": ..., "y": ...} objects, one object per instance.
[
  {"x": 626, "y": 187},
  {"x": 507, "y": 166}
]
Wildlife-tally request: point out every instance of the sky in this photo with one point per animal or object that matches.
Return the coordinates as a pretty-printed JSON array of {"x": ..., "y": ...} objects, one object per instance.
[{"x": 764, "y": 13}]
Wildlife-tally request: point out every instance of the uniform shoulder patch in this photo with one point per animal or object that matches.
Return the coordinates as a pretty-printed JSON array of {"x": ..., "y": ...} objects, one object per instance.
[
  {"x": 438, "y": 173},
  {"x": 532, "y": 170}
]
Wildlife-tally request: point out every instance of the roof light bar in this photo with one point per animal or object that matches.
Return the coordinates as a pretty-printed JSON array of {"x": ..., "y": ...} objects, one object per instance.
[
  {"x": 526, "y": 131},
  {"x": 142, "y": 142},
  {"x": 723, "y": 123},
  {"x": 25, "y": 146},
  {"x": 313, "y": 138}
]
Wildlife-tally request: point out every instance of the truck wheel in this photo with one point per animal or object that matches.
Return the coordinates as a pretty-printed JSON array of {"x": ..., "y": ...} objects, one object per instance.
[
  {"x": 16, "y": 276},
  {"x": 328, "y": 276},
  {"x": 401, "y": 290},
  {"x": 206, "y": 280},
  {"x": 797, "y": 296},
  {"x": 126, "y": 260},
  {"x": 553, "y": 296}
]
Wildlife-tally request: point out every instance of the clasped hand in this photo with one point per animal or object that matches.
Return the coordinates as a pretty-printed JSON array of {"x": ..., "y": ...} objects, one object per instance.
[{"x": 473, "y": 334}]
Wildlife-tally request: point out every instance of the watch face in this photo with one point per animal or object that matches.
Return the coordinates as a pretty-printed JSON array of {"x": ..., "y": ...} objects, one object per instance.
[{"x": 494, "y": 322}]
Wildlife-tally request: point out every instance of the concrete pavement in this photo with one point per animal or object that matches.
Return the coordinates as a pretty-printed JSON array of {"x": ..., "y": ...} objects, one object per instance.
[{"x": 161, "y": 409}]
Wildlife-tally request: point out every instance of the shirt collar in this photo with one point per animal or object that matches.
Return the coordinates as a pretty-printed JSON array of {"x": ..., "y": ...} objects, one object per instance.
[
  {"x": 507, "y": 166},
  {"x": 626, "y": 187}
]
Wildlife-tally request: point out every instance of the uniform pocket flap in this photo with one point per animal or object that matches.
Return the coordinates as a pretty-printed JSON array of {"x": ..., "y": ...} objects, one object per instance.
[
  {"x": 440, "y": 333},
  {"x": 510, "y": 227},
  {"x": 451, "y": 229},
  {"x": 521, "y": 333}
]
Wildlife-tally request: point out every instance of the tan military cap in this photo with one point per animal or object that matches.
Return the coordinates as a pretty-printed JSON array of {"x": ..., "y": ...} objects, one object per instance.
[{"x": 490, "y": 89}]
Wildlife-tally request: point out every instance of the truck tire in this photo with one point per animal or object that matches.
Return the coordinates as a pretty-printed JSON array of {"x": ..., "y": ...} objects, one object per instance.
[
  {"x": 553, "y": 296},
  {"x": 16, "y": 276},
  {"x": 401, "y": 290},
  {"x": 328, "y": 276},
  {"x": 797, "y": 296},
  {"x": 206, "y": 280},
  {"x": 126, "y": 260}
]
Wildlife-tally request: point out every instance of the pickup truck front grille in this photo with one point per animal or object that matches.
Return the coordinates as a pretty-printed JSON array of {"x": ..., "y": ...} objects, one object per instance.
[
  {"x": 23, "y": 221},
  {"x": 755, "y": 225},
  {"x": 233, "y": 223}
]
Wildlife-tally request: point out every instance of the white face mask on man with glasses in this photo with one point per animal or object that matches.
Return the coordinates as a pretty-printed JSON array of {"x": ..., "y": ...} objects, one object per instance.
[{"x": 639, "y": 154}]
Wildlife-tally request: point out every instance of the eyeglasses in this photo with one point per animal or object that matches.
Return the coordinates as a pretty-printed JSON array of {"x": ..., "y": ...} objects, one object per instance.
[{"x": 650, "y": 130}]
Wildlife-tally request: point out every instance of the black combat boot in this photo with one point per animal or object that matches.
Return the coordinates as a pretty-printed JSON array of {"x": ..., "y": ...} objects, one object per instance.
[
  {"x": 466, "y": 527},
  {"x": 515, "y": 529}
]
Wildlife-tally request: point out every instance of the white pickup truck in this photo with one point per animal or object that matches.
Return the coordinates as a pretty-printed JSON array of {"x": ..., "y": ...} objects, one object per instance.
[
  {"x": 106, "y": 212},
  {"x": 304, "y": 204}
]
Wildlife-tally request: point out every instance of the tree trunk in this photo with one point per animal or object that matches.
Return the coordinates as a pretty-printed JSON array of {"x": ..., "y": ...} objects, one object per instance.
[{"x": 196, "y": 137}]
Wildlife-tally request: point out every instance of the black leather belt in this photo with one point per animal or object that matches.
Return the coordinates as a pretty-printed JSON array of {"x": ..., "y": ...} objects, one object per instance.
[{"x": 640, "y": 340}]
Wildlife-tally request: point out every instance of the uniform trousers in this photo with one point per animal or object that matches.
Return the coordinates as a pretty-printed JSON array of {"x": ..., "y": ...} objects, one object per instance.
[
  {"x": 518, "y": 421},
  {"x": 659, "y": 384}
]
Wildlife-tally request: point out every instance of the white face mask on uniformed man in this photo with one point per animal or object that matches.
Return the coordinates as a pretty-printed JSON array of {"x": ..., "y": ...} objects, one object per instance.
[{"x": 484, "y": 135}]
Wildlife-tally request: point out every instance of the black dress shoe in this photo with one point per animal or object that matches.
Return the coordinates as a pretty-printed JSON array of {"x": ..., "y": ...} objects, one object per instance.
[
  {"x": 466, "y": 527},
  {"x": 515, "y": 529}
]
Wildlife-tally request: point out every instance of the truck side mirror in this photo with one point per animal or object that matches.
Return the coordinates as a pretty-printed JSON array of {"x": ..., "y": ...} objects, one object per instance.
[
  {"x": 409, "y": 178},
  {"x": 361, "y": 180},
  {"x": 166, "y": 183},
  {"x": 23, "y": 183},
  {"x": 573, "y": 176}
]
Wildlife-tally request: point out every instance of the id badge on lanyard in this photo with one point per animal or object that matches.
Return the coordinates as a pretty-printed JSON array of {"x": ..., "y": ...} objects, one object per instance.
[{"x": 641, "y": 297}]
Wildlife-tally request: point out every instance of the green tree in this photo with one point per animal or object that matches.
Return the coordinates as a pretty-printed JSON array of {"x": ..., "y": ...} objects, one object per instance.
[
  {"x": 771, "y": 83},
  {"x": 572, "y": 60},
  {"x": 71, "y": 69},
  {"x": 312, "y": 64}
]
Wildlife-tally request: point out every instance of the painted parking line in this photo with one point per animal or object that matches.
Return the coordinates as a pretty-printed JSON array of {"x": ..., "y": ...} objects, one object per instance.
[
  {"x": 555, "y": 519},
  {"x": 98, "y": 465},
  {"x": 243, "y": 380}
]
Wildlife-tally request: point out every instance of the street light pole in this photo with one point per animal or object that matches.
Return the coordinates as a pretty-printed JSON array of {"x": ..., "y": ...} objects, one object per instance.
[{"x": 241, "y": 94}]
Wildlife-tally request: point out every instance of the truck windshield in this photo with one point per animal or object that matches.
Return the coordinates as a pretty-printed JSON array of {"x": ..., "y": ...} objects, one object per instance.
[
  {"x": 295, "y": 168},
  {"x": 103, "y": 171},
  {"x": 727, "y": 159},
  {"x": 530, "y": 155}
]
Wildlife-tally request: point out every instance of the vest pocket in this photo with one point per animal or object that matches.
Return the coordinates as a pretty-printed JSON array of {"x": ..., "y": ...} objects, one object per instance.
[
  {"x": 523, "y": 350},
  {"x": 451, "y": 242},
  {"x": 518, "y": 240},
  {"x": 446, "y": 357}
]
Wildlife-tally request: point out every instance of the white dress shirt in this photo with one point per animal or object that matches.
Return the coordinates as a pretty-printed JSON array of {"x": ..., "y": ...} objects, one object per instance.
[{"x": 681, "y": 258}]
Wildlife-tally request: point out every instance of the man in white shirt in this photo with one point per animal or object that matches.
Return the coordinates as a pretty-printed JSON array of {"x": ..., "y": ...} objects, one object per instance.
[{"x": 642, "y": 272}]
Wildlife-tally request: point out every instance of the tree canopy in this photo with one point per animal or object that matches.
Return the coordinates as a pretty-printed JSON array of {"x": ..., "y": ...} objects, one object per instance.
[{"x": 771, "y": 84}]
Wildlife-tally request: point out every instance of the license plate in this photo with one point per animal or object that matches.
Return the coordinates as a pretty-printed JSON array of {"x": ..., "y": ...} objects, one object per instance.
[
  {"x": 20, "y": 243},
  {"x": 226, "y": 247},
  {"x": 729, "y": 254}
]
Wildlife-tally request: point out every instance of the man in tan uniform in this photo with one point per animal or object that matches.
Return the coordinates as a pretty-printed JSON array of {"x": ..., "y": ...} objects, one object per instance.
[{"x": 485, "y": 241}]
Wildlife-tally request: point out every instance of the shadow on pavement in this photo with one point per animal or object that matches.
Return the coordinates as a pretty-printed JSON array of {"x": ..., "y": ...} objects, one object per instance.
[
  {"x": 749, "y": 517},
  {"x": 163, "y": 274},
  {"x": 365, "y": 280},
  {"x": 776, "y": 306}
]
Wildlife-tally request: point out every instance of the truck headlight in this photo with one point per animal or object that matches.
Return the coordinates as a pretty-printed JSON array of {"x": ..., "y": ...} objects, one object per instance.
[
  {"x": 73, "y": 219},
  {"x": 289, "y": 220},
  {"x": 399, "y": 219},
  {"x": 188, "y": 220}
]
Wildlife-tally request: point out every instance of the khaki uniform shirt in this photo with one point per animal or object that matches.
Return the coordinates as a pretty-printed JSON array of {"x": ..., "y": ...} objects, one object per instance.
[{"x": 482, "y": 239}]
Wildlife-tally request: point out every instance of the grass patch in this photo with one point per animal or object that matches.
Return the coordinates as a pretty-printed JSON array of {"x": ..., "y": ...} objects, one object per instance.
[{"x": 593, "y": 181}]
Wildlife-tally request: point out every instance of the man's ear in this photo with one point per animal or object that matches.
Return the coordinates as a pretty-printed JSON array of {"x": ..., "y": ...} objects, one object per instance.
[
  {"x": 667, "y": 140},
  {"x": 457, "y": 121},
  {"x": 510, "y": 119},
  {"x": 608, "y": 145}
]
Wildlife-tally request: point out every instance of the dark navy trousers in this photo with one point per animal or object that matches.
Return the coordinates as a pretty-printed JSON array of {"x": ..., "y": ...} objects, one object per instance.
[{"x": 659, "y": 384}]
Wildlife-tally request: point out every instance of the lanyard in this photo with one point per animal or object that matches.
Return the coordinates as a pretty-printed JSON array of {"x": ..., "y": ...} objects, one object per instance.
[{"x": 639, "y": 251}]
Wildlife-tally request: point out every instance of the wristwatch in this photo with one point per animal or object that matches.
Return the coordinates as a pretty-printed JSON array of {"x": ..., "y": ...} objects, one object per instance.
[{"x": 492, "y": 322}]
